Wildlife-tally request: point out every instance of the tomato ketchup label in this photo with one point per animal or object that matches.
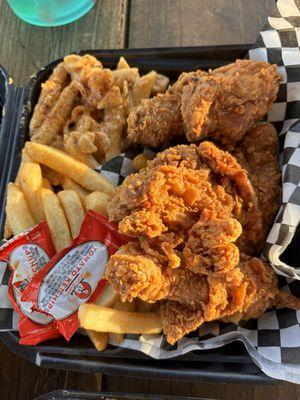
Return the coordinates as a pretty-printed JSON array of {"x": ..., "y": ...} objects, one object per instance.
[
  {"x": 27, "y": 254},
  {"x": 75, "y": 275}
]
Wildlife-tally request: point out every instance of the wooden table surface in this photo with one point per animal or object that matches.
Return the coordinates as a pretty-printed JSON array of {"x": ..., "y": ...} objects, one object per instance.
[{"x": 119, "y": 24}]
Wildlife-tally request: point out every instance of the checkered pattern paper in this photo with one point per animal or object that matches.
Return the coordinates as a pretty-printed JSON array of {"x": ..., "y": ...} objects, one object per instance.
[{"x": 273, "y": 340}]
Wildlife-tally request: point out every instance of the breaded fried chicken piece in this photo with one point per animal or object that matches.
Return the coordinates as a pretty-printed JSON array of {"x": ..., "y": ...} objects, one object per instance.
[
  {"x": 224, "y": 104},
  {"x": 155, "y": 120},
  {"x": 158, "y": 119},
  {"x": 190, "y": 212},
  {"x": 258, "y": 154},
  {"x": 230, "y": 101},
  {"x": 136, "y": 274},
  {"x": 178, "y": 185},
  {"x": 209, "y": 248}
]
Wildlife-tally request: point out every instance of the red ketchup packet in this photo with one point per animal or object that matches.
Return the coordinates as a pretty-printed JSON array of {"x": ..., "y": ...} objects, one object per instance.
[
  {"x": 27, "y": 254},
  {"x": 74, "y": 275}
]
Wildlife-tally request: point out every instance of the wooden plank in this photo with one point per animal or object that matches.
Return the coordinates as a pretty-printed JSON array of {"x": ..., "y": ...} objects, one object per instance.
[
  {"x": 159, "y": 23},
  {"x": 25, "y": 48}
]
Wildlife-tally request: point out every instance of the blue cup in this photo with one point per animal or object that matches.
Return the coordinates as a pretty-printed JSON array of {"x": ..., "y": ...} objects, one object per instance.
[{"x": 50, "y": 12}]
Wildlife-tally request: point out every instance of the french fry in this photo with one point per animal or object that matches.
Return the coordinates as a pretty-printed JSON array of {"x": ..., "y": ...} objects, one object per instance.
[
  {"x": 73, "y": 209},
  {"x": 31, "y": 183},
  {"x": 69, "y": 184},
  {"x": 24, "y": 158},
  {"x": 68, "y": 166},
  {"x": 160, "y": 84},
  {"x": 7, "y": 230},
  {"x": 56, "y": 219},
  {"x": 108, "y": 297},
  {"x": 143, "y": 306},
  {"x": 140, "y": 161},
  {"x": 99, "y": 339},
  {"x": 97, "y": 201},
  {"x": 102, "y": 319},
  {"x": 47, "y": 184},
  {"x": 117, "y": 338},
  {"x": 122, "y": 63},
  {"x": 142, "y": 87},
  {"x": 17, "y": 211}
]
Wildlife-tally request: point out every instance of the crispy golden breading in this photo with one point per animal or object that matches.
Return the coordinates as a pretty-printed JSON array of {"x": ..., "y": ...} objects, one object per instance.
[
  {"x": 258, "y": 154},
  {"x": 155, "y": 120},
  {"x": 191, "y": 212},
  {"x": 209, "y": 248},
  {"x": 224, "y": 104}
]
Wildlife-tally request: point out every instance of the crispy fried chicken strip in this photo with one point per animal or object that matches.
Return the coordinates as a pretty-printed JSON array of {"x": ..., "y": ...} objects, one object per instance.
[
  {"x": 136, "y": 274},
  {"x": 224, "y": 103},
  {"x": 155, "y": 120},
  {"x": 230, "y": 101},
  {"x": 258, "y": 154},
  {"x": 209, "y": 248}
]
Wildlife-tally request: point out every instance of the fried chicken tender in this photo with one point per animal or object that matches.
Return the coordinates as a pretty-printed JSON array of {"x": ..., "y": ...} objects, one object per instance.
[
  {"x": 209, "y": 248},
  {"x": 178, "y": 185},
  {"x": 230, "y": 101},
  {"x": 258, "y": 154},
  {"x": 136, "y": 274},
  {"x": 155, "y": 120},
  {"x": 224, "y": 104},
  {"x": 191, "y": 212}
]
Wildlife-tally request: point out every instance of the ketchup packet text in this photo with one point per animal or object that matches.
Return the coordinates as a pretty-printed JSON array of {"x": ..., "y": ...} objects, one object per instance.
[
  {"x": 27, "y": 254},
  {"x": 75, "y": 275}
]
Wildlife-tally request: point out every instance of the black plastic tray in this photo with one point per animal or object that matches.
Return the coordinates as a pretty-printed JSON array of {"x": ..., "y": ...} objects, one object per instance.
[{"x": 230, "y": 363}]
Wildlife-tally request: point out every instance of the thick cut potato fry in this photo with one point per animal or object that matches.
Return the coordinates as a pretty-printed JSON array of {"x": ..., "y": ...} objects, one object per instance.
[
  {"x": 117, "y": 338},
  {"x": 102, "y": 319},
  {"x": 108, "y": 297},
  {"x": 122, "y": 63},
  {"x": 99, "y": 339},
  {"x": 47, "y": 184},
  {"x": 31, "y": 182},
  {"x": 69, "y": 184},
  {"x": 142, "y": 87},
  {"x": 97, "y": 201},
  {"x": 24, "y": 158},
  {"x": 56, "y": 220},
  {"x": 66, "y": 165},
  {"x": 73, "y": 209},
  {"x": 7, "y": 230},
  {"x": 17, "y": 211}
]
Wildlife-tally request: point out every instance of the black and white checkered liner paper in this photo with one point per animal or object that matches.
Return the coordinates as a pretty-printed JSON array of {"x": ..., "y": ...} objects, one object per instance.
[{"x": 273, "y": 340}]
